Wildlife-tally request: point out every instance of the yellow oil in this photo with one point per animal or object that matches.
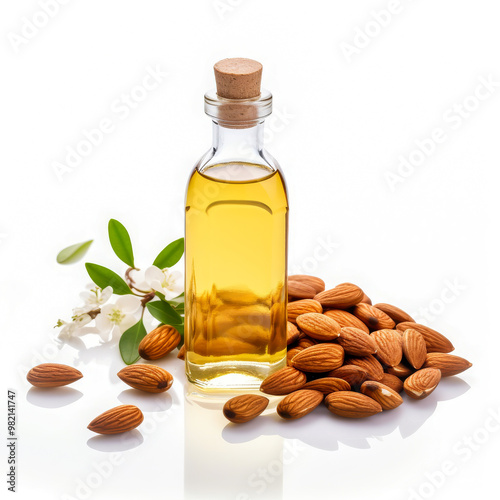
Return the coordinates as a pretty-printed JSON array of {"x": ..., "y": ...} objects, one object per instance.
[{"x": 235, "y": 299}]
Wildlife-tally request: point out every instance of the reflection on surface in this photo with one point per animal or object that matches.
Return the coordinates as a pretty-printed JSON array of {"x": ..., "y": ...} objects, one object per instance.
[
  {"x": 216, "y": 469},
  {"x": 325, "y": 431},
  {"x": 116, "y": 442},
  {"x": 52, "y": 397},
  {"x": 146, "y": 401}
]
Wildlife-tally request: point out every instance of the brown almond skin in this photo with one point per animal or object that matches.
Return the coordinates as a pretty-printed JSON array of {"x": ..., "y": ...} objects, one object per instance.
[
  {"x": 368, "y": 363},
  {"x": 292, "y": 333},
  {"x": 434, "y": 341},
  {"x": 352, "y": 405},
  {"x": 304, "y": 306},
  {"x": 317, "y": 283},
  {"x": 373, "y": 318},
  {"x": 414, "y": 348},
  {"x": 366, "y": 299},
  {"x": 117, "y": 420},
  {"x": 291, "y": 353},
  {"x": 306, "y": 342},
  {"x": 386, "y": 397},
  {"x": 326, "y": 385},
  {"x": 244, "y": 408},
  {"x": 356, "y": 342},
  {"x": 392, "y": 381},
  {"x": 448, "y": 364},
  {"x": 318, "y": 326},
  {"x": 422, "y": 383},
  {"x": 390, "y": 346},
  {"x": 147, "y": 378},
  {"x": 299, "y": 290},
  {"x": 159, "y": 342},
  {"x": 352, "y": 374},
  {"x": 401, "y": 371},
  {"x": 284, "y": 381},
  {"x": 182, "y": 352},
  {"x": 342, "y": 296},
  {"x": 395, "y": 313},
  {"x": 346, "y": 319},
  {"x": 53, "y": 375},
  {"x": 319, "y": 358},
  {"x": 299, "y": 403}
]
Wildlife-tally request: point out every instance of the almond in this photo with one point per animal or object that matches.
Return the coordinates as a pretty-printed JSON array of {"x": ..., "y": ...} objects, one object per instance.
[
  {"x": 148, "y": 378},
  {"x": 319, "y": 358},
  {"x": 392, "y": 381},
  {"x": 299, "y": 403},
  {"x": 373, "y": 318},
  {"x": 244, "y": 408},
  {"x": 344, "y": 319},
  {"x": 382, "y": 394},
  {"x": 366, "y": 299},
  {"x": 395, "y": 313},
  {"x": 292, "y": 333},
  {"x": 352, "y": 404},
  {"x": 390, "y": 348},
  {"x": 53, "y": 375},
  {"x": 299, "y": 307},
  {"x": 291, "y": 353},
  {"x": 306, "y": 342},
  {"x": 422, "y": 383},
  {"x": 448, "y": 364},
  {"x": 341, "y": 297},
  {"x": 414, "y": 348},
  {"x": 369, "y": 364},
  {"x": 182, "y": 352},
  {"x": 401, "y": 371},
  {"x": 327, "y": 385},
  {"x": 283, "y": 381},
  {"x": 435, "y": 341},
  {"x": 356, "y": 342},
  {"x": 117, "y": 420},
  {"x": 299, "y": 290},
  {"x": 318, "y": 326},
  {"x": 352, "y": 374},
  {"x": 159, "y": 342},
  {"x": 317, "y": 283}
]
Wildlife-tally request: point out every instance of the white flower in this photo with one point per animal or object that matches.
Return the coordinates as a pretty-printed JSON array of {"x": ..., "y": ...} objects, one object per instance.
[
  {"x": 165, "y": 281},
  {"x": 74, "y": 328},
  {"x": 120, "y": 316},
  {"x": 93, "y": 298}
]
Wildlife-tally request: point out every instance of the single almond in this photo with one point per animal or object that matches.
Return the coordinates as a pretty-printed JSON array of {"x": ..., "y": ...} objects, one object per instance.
[
  {"x": 352, "y": 374},
  {"x": 366, "y": 299},
  {"x": 392, "y": 381},
  {"x": 356, "y": 342},
  {"x": 318, "y": 326},
  {"x": 422, "y": 383},
  {"x": 448, "y": 364},
  {"x": 299, "y": 290},
  {"x": 291, "y": 353},
  {"x": 292, "y": 333},
  {"x": 284, "y": 381},
  {"x": 304, "y": 306},
  {"x": 117, "y": 420},
  {"x": 373, "y": 318},
  {"x": 345, "y": 319},
  {"x": 317, "y": 283},
  {"x": 414, "y": 348},
  {"x": 244, "y": 408},
  {"x": 299, "y": 403},
  {"x": 435, "y": 341},
  {"x": 53, "y": 375},
  {"x": 182, "y": 352},
  {"x": 401, "y": 371},
  {"x": 327, "y": 385},
  {"x": 382, "y": 394},
  {"x": 306, "y": 342},
  {"x": 395, "y": 313},
  {"x": 390, "y": 348},
  {"x": 368, "y": 363},
  {"x": 352, "y": 404},
  {"x": 147, "y": 378},
  {"x": 341, "y": 297},
  {"x": 319, "y": 358},
  {"x": 159, "y": 342}
]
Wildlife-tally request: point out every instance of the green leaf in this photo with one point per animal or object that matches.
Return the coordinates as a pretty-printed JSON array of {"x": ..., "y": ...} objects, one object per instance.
[
  {"x": 129, "y": 342},
  {"x": 120, "y": 242},
  {"x": 103, "y": 277},
  {"x": 170, "y": 255},
  {"x": 164, "y": 312},
  {"x": 73, "y": 253},
  {"x": 176, "y": 301}
]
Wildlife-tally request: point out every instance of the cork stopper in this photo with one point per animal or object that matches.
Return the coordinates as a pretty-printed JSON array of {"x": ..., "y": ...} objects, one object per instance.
[{"x": 238, "y": 78}]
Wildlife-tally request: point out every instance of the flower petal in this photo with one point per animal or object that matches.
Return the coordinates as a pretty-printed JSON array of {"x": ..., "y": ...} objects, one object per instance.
[
  {"x": 128, "y": 304},
  {"x": 153, "y": 274}
]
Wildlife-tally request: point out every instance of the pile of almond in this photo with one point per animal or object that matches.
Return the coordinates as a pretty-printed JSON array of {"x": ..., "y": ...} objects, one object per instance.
[{"x": 354, "y": 356}]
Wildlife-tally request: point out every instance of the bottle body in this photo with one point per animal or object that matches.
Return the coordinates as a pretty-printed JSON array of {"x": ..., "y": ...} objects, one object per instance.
[{"x": 236, "y": 262}]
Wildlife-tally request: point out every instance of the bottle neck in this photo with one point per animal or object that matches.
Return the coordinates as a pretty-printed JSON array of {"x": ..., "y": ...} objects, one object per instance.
[{"x": 238, "y": 144}]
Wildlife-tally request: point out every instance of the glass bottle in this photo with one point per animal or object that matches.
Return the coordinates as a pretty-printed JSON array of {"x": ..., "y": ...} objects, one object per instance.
[{"x": 236, "y": 241}]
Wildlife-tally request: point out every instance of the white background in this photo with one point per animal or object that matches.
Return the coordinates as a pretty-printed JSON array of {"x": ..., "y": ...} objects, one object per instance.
[{"x": 341, "y": 123}]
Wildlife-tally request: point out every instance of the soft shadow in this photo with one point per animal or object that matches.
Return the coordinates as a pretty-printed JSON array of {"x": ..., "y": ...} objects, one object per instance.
[
  {"x": 145, "y": 400},
  {"x": 116, "y": 442},
  {"x": 53, "y": 397}
]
